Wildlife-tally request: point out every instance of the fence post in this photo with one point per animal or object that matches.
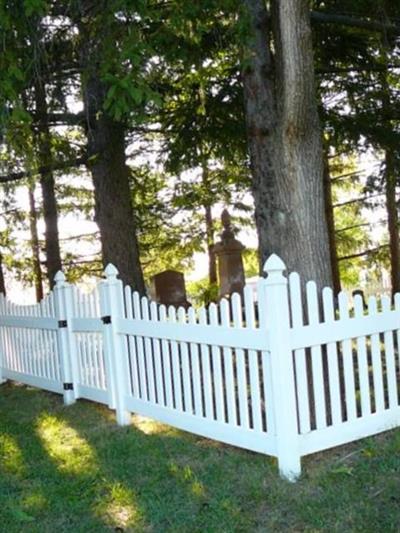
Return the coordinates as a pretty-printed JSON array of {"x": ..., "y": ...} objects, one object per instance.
[
  {"x": 64, "y": 310},
  {"x": 283, "y": 381},
  {"x": 115, "y": 347}
]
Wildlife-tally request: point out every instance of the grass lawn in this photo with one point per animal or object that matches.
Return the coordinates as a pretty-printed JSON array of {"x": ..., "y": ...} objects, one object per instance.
[{"x": 72, "y": 469}]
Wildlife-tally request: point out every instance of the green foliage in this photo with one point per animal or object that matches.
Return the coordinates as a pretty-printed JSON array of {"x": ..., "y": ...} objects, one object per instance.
[
  {"x": 201, "y": 292},
  {"x": 171, "y": 77},
  {"x": 251, "y": 262},
  {"x": 167, "y": 238},
  {"x": 352, "y": 233}
]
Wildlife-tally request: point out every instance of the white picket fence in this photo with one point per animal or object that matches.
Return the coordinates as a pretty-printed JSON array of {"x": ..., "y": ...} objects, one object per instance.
[{"x": 277, "y": 375}]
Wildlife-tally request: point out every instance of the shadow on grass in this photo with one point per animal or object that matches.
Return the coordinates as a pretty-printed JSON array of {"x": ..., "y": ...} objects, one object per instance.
[{"x": 72, "y": 469}]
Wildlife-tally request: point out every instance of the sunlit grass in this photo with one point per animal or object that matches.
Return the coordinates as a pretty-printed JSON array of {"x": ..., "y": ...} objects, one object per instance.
[
  {"x": 10, "y": 455},
  {"x": 152, "y": 427},
  {"x": 72, "y": 469},
  {"x": 63, "y": 444},
  {"x": 117, "y": 508}
]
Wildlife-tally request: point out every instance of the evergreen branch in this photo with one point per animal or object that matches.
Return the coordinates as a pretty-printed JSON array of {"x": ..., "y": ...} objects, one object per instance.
[
  {"x": 15, "y": 176},
  {"x": 354, "y": 22},
  {"x": 360, "y": 199},
  {"x": 365, "y": 252}
]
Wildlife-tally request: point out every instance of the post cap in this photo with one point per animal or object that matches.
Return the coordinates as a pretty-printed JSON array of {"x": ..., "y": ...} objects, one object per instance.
[
  {"x": 274, "y": 264},
  {"x": 111, "y": 271},
  {"x": 59, "y": 278}
]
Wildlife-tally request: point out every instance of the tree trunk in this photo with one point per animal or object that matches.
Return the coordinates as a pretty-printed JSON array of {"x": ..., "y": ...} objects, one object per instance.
[
  {"x": 285, "y": 141},
  {"x": 37, "y": 270},
  {"x": 393, "y": 220},
  {"x": 2, "y": 281},
  {"x": 390, "y": 191},
  {"x": 47, "y": 184},
  {"x": 212, "y": 264},
  {"x": 107, "y": 161},
  {"x": 330, "y": 220}
]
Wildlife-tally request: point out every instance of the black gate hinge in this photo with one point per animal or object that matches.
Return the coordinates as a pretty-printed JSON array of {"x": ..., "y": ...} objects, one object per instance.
[
  {"x": 62, "y": 324},
  {"x": 68, "y": 386},
  {"x": 106, "y": 319}
]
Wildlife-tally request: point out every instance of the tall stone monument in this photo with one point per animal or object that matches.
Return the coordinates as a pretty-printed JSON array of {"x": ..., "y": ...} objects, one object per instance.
[
  {"x": 168, "y": 288},
  {"x": 229, "y": 257}
]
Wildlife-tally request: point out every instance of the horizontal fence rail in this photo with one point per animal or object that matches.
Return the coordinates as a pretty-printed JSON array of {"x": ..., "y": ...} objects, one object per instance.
[{"x": 286, "y": 370}]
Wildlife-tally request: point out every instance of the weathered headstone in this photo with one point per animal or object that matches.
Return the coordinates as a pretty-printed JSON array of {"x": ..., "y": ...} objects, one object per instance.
[
  {"x": 168, "y": 288},
  {"x": 229, "y": 256}
]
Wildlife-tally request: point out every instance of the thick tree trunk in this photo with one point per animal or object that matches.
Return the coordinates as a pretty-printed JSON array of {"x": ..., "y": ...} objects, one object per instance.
[
  {"x": 393, "y": 220},
  {"x": 330, "y": 220},
  {"x": 285, "y": 140},
  {"x": 113, "y": 204},
  {"x": 37, "y": 269},
  {"x": 47, "y": 184},
  {"x": 107, "y": 162}
]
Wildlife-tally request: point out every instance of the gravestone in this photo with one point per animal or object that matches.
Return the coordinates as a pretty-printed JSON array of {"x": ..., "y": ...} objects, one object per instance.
[
  {"x": 168, "y": 288},
  {"x": 229, "y": 256}
]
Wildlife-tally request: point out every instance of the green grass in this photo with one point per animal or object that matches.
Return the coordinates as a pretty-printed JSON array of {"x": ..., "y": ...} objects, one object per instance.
[{"x": 72, "y": 469}]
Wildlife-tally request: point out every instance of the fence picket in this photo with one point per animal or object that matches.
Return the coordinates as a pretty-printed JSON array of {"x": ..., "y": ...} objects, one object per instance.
[
  {"x": 45, "y": 339},
  {"x": 176, "y": 364},
  {"x": 253, "y": 362},
  {"x": 206, "y": 370},
  {"x": 86, "y": 351},
  {"x": 362, "y": 360},
  {"x": 166, "y": 358},
  {"x": 348, "y": 363},
  {"x": 185, "y": 367},
  {"x": 140, "y": 349},
  {"x": 21, "y": 352},
  {"x": 389, "y": 359},
  {"x": 3, "y": 353},
  {"x": 296, "y": 307},
  {"x": 316, "y": 358},
  {"x": 266, "y": 362},
  {"x": 38, "y": 311},
  {"x": 240, "y": 364},
  {"x": 148, "y": 352},
  {"x": 228, "y": 366},
  {"x": 333, "y": 363},
  {"x": 132, "y": 345},
  {"x": 217, "y": 369},
  {"x": 157, "y": 358},
  {"x": 377, "y": 371},
  {"x": 195, "y": 366},
  {"x": 91, "y": 346},
  {"x": 31, "y": 333},
  {"x": 397, "y": 309}
]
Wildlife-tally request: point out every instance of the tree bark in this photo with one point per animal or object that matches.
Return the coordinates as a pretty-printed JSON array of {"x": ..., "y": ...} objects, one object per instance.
[
  {"x": 393, "y": 220},
  {"x": 2, "y": 280},
  {"x": 285, "y": 141},
  {"x": 330, "y": 220},
  {"x": 47, "y": 184},
  {"x": 37, "y": 269},
  {"x": 212, "y": 264},
  {"x": 107, "y": 161}
]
